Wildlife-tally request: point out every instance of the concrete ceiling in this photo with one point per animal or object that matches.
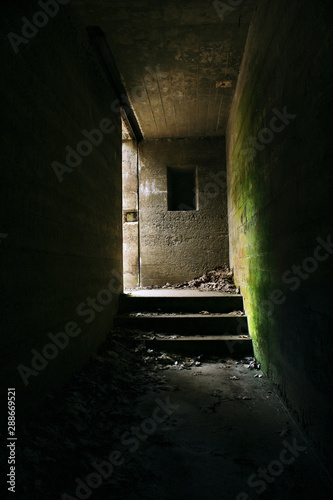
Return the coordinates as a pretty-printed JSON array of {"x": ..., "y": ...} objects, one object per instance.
[{"x": 170, "y": 55}]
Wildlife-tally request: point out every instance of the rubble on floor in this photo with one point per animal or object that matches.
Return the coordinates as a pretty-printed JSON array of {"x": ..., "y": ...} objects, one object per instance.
[
  {"x": 180, "y": 313},
  {"x": 219, "y": 279},
  {"x": 209, "y": 403},
  {"x": 84, "y": 423}
]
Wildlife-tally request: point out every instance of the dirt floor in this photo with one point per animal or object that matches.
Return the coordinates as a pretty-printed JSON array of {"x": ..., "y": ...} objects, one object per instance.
[{"x": 136, "y": 424}]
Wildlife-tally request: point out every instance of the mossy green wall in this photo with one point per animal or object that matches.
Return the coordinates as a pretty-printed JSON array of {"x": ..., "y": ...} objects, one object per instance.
[{"x": 279, "y": 203}]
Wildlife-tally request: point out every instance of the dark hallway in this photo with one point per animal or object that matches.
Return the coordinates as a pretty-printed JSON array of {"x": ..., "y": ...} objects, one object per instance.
[{"x": 145, "y": 144}]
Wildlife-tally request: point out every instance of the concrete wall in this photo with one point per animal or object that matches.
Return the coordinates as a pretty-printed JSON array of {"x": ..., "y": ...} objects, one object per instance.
[
  {"x": 64, "y": 230},
  {"x": 179, "y": 245},
  {"x": 279, "y": 146},
  {"x": 130, "y": 215}
]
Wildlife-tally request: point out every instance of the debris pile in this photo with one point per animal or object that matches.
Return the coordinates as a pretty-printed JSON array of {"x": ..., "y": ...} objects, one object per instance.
[
  {"x": 162, "y": 361},
  {"x": 220, "y": 279},
  {"x": 150, "y": 314}
]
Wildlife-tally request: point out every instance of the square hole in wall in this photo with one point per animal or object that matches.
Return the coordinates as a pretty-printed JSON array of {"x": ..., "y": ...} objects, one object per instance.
[
  {"x": 182, "y": 188},
  {"x": 131, "y": 216}
]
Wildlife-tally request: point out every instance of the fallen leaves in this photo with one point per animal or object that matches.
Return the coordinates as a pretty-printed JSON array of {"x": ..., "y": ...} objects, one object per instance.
[{"x": 219, "y": 279}]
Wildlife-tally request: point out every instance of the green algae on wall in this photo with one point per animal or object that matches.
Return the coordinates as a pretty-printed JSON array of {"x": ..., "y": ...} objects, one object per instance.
[{"x": 279, "y": 205}]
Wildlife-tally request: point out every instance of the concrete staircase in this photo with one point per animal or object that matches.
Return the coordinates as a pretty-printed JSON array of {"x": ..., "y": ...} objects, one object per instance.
[{"x": 187, "y": 321}]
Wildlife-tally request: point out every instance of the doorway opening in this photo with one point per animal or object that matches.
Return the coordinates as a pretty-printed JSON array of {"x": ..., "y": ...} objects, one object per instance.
[{"x": 131, "y": 209}]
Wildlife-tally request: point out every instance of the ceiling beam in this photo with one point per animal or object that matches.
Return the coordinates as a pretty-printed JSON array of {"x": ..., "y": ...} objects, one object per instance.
[{"x": 100, "y": 45}]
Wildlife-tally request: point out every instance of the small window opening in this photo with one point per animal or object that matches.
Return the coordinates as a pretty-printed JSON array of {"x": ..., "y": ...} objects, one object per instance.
[{"x": 182, "y": 192}]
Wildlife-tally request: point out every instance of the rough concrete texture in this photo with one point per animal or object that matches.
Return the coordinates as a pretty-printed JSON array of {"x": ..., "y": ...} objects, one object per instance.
[
  {"x": 138, "y": 424},
  {"x": 176, "y": 246},
  {"x": 280, "y": 204},
  {"x": 228, "y": 438},
  {"x": 64, "y": 238},
  {"x": 171, "y": 55},
  {"x": 130, "y": 204}
]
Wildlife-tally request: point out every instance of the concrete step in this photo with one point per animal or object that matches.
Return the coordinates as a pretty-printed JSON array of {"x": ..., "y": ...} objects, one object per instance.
[
  {"x": 185, "y": 302},
  {"x": 185, "y": 324},
  {"x": 219, "y": 345},
  {"x": 173, "y": 317}
]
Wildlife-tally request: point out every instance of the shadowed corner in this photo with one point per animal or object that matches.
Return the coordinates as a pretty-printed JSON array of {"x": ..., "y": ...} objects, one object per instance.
[{"x": 167, "y": 233}]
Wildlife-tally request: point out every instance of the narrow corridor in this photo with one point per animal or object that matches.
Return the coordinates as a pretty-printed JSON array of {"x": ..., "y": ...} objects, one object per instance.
[
  {"x": 138, "y": 424},
  {"x": 149, "y": 144}
]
